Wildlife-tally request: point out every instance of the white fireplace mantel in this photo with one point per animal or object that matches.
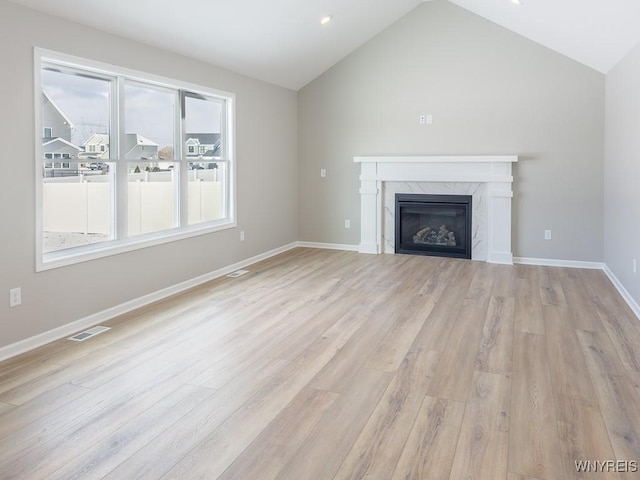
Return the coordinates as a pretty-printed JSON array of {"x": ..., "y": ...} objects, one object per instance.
[{"x": 493, "y": 172}]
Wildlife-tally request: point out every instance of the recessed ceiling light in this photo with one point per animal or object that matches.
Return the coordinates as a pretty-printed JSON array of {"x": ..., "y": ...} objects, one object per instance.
[
  {"x": 326, "y": 19},
  {"x": 516, "y": 2}
]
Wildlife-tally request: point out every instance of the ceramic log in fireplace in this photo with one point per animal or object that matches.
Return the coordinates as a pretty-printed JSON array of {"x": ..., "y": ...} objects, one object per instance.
[{"x": 438, "y": 225}]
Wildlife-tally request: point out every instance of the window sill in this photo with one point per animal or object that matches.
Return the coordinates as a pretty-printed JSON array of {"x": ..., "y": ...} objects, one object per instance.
[{"x": 72, "y": 256}]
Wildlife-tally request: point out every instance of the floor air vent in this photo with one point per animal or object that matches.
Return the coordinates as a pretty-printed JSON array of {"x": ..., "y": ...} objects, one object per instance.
[
  {"x": 92, "y": 332},
  {"x": 237, "y": 273}
]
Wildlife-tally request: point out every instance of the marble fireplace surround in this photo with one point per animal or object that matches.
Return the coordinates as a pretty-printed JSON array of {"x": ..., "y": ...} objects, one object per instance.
[{"x": 487, "y": 178}]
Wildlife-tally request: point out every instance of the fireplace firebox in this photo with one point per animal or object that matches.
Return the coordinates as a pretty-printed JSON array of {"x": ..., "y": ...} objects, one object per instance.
[{"x": 438, "y": 225}]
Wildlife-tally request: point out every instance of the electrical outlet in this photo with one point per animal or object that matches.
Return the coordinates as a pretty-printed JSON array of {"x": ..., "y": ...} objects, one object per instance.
[
  {"x": 429, "y": 119},
  {"x": 347, "y": 224},
  {"x": 423, "y": 119},
  {"x": 15, "y": 297},
  {"x": 242, "y": 235},
  {"x": 547, "y": 234},
  {"x": 323, "y": 172}
]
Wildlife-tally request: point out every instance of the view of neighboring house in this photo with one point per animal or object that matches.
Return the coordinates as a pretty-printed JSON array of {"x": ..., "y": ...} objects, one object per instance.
[
  {"x": 56, "y": 135},
  {"x": 57, "y": 146},
  {"x": 140, "y": 148},
  {"x": 203, "y": 145},
  {"x": 55, "y": 122},
  {"x": 137, "y": 147},
  {"x": 58, "y": 149},
  {"x": 96, "y": 147}
]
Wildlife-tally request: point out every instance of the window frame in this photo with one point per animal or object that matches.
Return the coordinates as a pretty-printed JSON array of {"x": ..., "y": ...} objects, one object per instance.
[{"x": 122, "y": 242}]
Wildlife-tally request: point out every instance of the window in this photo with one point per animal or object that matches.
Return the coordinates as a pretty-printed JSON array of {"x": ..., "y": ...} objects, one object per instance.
[
  {"x": 47, "y": 132},
  {"x": 135, "y": 185}
]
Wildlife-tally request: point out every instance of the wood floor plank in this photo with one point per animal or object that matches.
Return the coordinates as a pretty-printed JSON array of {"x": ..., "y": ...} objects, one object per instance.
[
  {"x": 551, "y": 291},
  {"x": 482, "y": 449},
  {"x": 634, "y": 377},
  {"x": 269, "y": 342},
  {"x": 115, "y": 399},
  {"x": 528, "y": 306},
  {"x": 482, "y": 283},
  {"x": 436, "y": 330},
  {"x": 600, "y": 354},
  {"x": 585, "y": 314},
  {"x": 583, "y": 437},
  {"x": 379, "y": 446},
  {"x": 428, "y": 452},
  {"x": 40, "y": 407},
  {"x": 534, "y": 445},
  {"x": 52, "y": 452},
  {"x": 504, "y": 284},
  {"x": 496, "y": 345},
  {"x": 618, "y": 399},
  {"x": 195, "y": 426},
  {"x": 32, "y": 373},
  {"x": 436, "y": 282},
  {"x": 4, "y": 408},
  {"x": 376, "y": 319},
  {"x": 267, "y": 455},
  {"x": 569, "y": 373},
  {"x": 391, "y": 350},
  {"x": 515, "y": 476},
  {"x": 624, "y": 334},
  {"x": 99, "y": 459},
  {"x": 344, "y": 314},
  {"x": 324, "y": 450},
  {"x": 459, "y": 355}
]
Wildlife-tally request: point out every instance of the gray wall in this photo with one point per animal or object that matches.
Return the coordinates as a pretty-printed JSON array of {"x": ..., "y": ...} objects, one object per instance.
[
  {"x": 266, "y": 180},
  {"x": 622, "y": 172},
  {"x": 490, "y": 91}
]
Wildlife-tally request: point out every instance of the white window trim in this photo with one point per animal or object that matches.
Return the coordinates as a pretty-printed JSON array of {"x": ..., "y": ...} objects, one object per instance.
[{"x": 113, "y": 247}]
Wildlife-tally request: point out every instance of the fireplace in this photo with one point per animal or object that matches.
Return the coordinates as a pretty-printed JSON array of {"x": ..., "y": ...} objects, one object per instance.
[
  {"x": 487, "y": 178},
  {"x": 437, "y": 225}
]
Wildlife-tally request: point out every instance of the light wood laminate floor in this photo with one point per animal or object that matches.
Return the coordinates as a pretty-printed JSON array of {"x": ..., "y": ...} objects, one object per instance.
[{"x": 334, "y": 365}]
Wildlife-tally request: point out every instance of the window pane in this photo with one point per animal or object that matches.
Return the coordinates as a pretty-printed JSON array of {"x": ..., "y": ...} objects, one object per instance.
[
  {"x": 151, "y": 197},
  {"x": 206, "y": 196},
  {"x": 206, "y": 177},
  {"x": 77, "y": 206},
  {"x": 149, "y": 123},
  {"x": 75, "y": 114},
  {"x": 203, "y": 122}
]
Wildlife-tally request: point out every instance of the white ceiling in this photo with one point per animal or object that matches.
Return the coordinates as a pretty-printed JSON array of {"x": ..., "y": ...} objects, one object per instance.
[
  {"x": 597, "y": 33},
  {"x": 282, "y": 41}
]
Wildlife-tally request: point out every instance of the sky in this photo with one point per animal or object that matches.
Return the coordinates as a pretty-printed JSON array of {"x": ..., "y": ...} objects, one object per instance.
[{"x": 148, "y": 111}]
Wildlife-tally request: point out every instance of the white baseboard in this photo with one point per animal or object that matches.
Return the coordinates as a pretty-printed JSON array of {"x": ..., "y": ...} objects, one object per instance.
[
  {"x": 548, "y": 262},
  {"x": 96, "y": 318},
  {"x": 329, "y": 246},
  {"x": 633, "y": 305}
]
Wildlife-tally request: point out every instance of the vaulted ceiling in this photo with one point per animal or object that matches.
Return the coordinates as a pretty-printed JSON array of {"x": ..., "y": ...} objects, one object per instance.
[{"x": 283, "y": 42}]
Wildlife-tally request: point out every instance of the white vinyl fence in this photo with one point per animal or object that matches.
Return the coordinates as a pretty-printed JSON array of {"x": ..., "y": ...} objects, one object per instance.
[{"x": 85, "y": 206}]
